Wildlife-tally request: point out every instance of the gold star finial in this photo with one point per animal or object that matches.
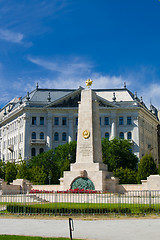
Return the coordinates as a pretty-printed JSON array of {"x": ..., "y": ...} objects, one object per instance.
[{"x": 89, "y": 83}]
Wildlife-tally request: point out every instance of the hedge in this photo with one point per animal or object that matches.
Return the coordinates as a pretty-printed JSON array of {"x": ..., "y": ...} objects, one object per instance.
[{"x": 31, "y": 209}]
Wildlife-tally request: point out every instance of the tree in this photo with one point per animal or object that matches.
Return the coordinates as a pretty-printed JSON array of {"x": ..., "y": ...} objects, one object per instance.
[
  {"x": 23, "y": 171},
  {"x": 63, "y": 156},
  {"x": 55, "y": 161},
  {"x": 118, "y": 153},
  {"x": 2, "y": 170},
  {"x": 45, "y": 160},
  {"x": 146, "y": 167},
  {"x": 126, "y": 176},
  {"x": 10, "y": 172},
  {"x": 38, "y": 175}
]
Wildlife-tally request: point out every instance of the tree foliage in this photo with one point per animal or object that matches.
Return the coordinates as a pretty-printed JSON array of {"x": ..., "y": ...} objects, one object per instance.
[
  {"x": 146, "y": 167},
  {"x": 10, "y": 172},
  {"x": 127, "y": 176},
  {"x": 54, "y": 162},
  {"x": 38, "y": 175},
  {"x": 2, "y": 170},
  {"x": 22, "y": 170},
  {"x": 118, "y": 153},
  {"x": 63, "y": 156}
]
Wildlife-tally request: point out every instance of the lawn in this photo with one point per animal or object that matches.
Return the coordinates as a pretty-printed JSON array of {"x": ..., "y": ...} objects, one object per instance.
[{"x": 13, "y": 237}]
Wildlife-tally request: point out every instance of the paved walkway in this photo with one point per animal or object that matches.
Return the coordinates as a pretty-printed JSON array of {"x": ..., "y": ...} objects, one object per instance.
[{"x": 139, "y": 229}]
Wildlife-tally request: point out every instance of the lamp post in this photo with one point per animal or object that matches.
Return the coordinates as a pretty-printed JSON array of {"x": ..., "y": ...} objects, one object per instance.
[{"x": 49, "y": 177}]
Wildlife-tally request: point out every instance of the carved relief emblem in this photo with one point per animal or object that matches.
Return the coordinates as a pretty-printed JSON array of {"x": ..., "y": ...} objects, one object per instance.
[{"x": 86, "y": 134}]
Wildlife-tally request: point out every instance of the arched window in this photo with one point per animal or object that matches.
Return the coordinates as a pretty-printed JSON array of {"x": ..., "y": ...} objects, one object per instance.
[
  {"x": 41, "y": 150},
  {"x": 33, "y": 135},
  {"x": 64, "y": 136},
  {"x": 129, "y": 135},
  {"x": 41, "y": 135},
  {"x": 56, "y": 136},
  {"x": 76, "y": 136},
  {"x": 107, "y": 135},
  {"x": 33, "y": 152},
  {"x": 121, "y": 135}
]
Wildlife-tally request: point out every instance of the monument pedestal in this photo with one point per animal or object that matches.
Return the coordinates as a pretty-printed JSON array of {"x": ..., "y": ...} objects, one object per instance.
[{"x": 88, "y": 172}]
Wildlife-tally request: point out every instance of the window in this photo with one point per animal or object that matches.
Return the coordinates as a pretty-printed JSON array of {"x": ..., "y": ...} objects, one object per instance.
[
  {"x": 120, "y": 120},
  {"x": 41, "y": 135},
  {"x": 107, "y": 135},
  {"x": 33, "y": 152},
  {"x": 121, "y": 135},
  {"x": 100, "y": 119},
  {"x": 76, "y": 136},
  {"x": 76, "y": 121},
  {"x": 33, "y": 135},
  {"x": 129, "y": 135},
  {"x": 129, "y": 120},
  {"x": 41, "y": 120},
  {"x": 41, "y": 150},
  {"x": 64, "y": 121},
  {"x": 56, "y": 121},
  {"x": 56, "y": 136},
  {"x": 64, "y": 136},
  {"x": 106, "y": 121},
  {"x": 33, "y": 120}
]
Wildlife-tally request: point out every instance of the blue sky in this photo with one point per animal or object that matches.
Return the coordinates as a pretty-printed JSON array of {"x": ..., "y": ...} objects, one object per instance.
[{"x": 61, "y": 43}]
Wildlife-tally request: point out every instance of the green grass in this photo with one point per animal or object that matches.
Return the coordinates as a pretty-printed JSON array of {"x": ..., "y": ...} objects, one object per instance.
[{"x": 13, "y": 237}]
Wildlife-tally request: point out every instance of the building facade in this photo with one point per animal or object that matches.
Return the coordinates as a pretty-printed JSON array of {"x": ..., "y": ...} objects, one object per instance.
[{"x": 46, "y": 118}]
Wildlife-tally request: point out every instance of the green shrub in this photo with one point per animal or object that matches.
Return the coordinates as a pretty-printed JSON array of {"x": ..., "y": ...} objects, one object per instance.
[
  {"x": 126, "y": 176},
  {"x": 146, "y": 167},
  {"x": 31, "y": 209}
]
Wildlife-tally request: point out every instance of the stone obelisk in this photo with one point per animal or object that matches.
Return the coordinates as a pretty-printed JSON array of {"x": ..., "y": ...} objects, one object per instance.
[
  {"x": 89, "y": 148},
  {"x": 89, "y": 170}
]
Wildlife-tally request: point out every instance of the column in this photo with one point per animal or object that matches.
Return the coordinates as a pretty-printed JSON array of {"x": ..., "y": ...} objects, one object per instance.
[
  {"x": 113, "y": 126},
  {"x": 18, "y": 123},
  {"x": 7, "y": 145},
  {"x": 49, "y": 131},
  {"x": 70, "y": 128},
  {"x": 26, "y": 137}
]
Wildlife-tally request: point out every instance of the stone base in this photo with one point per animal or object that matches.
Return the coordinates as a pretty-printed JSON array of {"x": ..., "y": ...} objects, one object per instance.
[{"x": 96, "y": 172}]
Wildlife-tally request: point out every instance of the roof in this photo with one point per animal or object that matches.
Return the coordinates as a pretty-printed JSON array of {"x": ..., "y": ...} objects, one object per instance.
[{"x": 57, "y": 97}]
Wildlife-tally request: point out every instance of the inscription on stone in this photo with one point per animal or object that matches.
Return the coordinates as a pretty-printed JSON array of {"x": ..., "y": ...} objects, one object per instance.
[{"x": 85, "y": 151}]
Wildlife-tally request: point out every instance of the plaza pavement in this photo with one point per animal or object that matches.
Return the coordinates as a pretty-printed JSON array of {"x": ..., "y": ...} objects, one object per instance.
[{"x": 122, "y": 229}]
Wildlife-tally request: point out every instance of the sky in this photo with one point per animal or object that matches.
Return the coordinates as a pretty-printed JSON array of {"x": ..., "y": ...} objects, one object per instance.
[{"x": 62, "y": 43}]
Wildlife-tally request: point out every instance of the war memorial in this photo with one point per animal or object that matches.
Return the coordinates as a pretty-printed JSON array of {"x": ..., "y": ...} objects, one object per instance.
[{"x": 88, "y": 172}]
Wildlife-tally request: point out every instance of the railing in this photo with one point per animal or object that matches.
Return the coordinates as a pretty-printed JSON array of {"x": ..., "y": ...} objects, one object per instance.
[
  {"x": 38, "y": 141},
  {"x": 69, "y": 203}
]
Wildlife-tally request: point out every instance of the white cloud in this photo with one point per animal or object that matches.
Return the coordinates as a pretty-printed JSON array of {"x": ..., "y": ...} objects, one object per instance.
[
  {"x": 73, "y": 72},
  {"x": 67, "y": 67},
  {"x": 151, "y": 94},
  {"x": 10, "y": 36},
  {"x": 106, "y": 81}
]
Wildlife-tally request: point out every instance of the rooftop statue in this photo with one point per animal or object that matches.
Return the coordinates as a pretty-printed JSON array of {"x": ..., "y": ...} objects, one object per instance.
[{"x": 89, "y": 82}]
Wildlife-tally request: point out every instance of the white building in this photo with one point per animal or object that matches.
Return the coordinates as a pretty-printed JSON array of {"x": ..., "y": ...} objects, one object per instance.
[{"x": 45, "y": 118}]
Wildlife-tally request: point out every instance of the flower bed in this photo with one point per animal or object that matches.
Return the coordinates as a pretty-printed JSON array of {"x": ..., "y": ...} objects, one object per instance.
[
  {"x": 40, "y": 191},
  {"x": 66, "y": 191}
]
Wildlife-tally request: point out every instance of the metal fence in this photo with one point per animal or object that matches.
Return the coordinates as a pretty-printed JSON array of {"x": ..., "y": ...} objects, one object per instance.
[{"x": 55, "y": 203}]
